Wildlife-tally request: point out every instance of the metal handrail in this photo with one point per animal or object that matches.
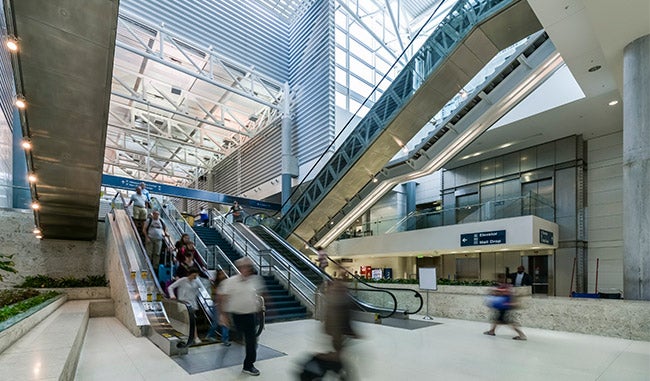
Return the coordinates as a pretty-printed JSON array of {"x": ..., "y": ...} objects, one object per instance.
[
  {"x": 274, "y": 261},
  {"x": 167, "y": 210},
  {"x": 372, "y": 287}
]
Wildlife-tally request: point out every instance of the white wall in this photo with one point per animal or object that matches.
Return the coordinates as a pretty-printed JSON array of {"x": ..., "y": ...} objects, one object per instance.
[
  {"x": 605, "y": 210},
  {"x": 428, "y": 189},
  {"x": 55, "y": 258}
]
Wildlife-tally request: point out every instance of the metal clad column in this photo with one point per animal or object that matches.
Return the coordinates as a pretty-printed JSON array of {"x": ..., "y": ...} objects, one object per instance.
[
  {"x": 289, "y": 169},
  {"x": 636, "y": 169},
  {"x": 409, "y": 188}
]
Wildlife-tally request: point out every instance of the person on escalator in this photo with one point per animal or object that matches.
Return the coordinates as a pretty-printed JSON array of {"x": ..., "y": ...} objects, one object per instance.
[
  {"x": 189, "y": 288},
  {"x": 180, "y": 244},
  {"x": 187, "y": 261},
  {"x": 218, "y": 320},
  {"x": 190, "y": 251},
  {"x": 237, "y": 212}
]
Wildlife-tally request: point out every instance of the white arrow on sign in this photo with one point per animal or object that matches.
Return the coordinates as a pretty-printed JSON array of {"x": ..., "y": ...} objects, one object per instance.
[{"x": 464, "y": 239}]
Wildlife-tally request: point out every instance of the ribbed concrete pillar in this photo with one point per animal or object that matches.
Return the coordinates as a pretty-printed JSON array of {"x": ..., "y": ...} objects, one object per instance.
[{"x": 636, "y": 169}]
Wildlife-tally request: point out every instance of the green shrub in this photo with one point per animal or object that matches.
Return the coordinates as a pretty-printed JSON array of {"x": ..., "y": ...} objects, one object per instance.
[
  {"x": 6, "y": 264},
  {"x": 14, "y": 309},
  {"x": 8, "y": 297},
  {"x": 475, "y": 283},
  {"x": 44, "y": 281}
]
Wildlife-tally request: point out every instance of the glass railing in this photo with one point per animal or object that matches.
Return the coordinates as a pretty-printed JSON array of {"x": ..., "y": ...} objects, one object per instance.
[
  {"x": 530, "y": 204},
  {"x": 266, "y": 261}
]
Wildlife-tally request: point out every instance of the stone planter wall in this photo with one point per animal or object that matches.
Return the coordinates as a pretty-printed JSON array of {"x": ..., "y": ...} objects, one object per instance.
[
  {"x": 629, "y": 319},
  {"x": 14, "y": 328}
]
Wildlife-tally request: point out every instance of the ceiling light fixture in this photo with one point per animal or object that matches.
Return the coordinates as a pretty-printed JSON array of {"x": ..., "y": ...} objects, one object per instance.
[
  {"x": 32, "y": 178},
  {"x": 36, "y": 205},
  {"x": 39, "y": 236},
  {"x": 20, "y": 103},
  {"x": 613, "y": 103},
  {"x": 26, "y": 144},
  {"x": 12, "y": 44},
  {"x": 37, "y": 230}
]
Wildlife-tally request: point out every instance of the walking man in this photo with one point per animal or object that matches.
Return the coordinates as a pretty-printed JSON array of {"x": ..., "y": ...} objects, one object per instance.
[{"x": 239, "y": 296}]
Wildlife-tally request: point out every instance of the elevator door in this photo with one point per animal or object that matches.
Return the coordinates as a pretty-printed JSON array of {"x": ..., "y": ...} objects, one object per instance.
[{"x": 538, "y": 270}]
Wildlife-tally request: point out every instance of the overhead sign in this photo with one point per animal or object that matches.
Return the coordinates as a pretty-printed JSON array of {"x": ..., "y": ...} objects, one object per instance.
[
  {"x": 545, "y": 237},
  {"x": 483, "y": 238},
  {"x": 189, "y": 193}
]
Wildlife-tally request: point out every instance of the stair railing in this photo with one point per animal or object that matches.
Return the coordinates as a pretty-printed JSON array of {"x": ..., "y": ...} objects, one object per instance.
[{"x": 268, "y": 260}]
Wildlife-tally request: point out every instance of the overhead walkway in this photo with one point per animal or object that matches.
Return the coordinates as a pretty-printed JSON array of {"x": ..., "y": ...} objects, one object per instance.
[
  {"x": 465, "y": 41},
  {"x": 528, "y": 66}
]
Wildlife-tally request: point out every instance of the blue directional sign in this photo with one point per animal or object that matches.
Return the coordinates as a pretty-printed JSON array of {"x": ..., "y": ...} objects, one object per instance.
[
  {"x": 545, "y": 237},
  {"x": 483, "y": 238},
  {"x": 193, "y": 194}
]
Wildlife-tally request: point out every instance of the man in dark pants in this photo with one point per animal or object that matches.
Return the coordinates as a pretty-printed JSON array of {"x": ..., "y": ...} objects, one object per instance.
[{"x": 240, "y": 297}]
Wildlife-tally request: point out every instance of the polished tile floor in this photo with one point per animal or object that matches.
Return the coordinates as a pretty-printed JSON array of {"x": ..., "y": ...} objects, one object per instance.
[{"x": 453, "y": 350}]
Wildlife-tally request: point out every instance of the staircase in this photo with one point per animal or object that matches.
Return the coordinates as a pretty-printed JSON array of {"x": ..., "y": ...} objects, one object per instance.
[{"x": 280, "y": 305}]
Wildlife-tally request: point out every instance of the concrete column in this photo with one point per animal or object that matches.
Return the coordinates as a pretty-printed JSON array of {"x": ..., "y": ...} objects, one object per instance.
[
  {"x": 636, "y": 169},
  {"x": 409, "y": 189}
]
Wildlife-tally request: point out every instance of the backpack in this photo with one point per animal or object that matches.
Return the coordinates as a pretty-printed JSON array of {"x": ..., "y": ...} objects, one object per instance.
[{"x": 149, "y": 220}]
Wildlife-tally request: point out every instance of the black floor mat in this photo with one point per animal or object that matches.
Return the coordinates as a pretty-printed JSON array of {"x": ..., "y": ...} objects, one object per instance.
[
  {"x": 211, "y": 357},
  {"x": 409, "y": 324}
]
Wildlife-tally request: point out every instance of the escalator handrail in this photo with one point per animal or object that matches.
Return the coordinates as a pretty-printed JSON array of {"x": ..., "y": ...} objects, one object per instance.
[
  {"x": 297, "y": 254},
  {"x": 260, "y": 253},
  {"x": 345, "y": 130},
  {"x": 352, "y": 276},
  {"x": 179, "y": 231},
  {"x": 141, "y": 246},
  {"x": 327, "y": 278}
]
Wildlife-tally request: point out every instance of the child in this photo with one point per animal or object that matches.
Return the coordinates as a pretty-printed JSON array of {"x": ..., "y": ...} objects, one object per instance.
[{"x": 188, "y": 290}]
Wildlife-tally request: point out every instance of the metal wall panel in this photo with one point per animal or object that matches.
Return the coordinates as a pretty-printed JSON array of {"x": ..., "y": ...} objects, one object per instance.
[
  {"x": 311, "y": 78},
  {"x": 257, "y": 161},
  {"x": 245, "y": 31}
]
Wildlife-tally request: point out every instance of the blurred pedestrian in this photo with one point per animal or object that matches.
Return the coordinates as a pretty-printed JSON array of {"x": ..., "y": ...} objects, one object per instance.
[
  {"x": 322, "y": 258},
  {"x": 217, "y": 320},
  {"x": 240, "y": 297},
  {"x": 502, "y": 301}
]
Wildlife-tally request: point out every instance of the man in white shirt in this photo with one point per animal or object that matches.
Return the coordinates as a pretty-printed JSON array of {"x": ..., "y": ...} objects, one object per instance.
[
  {"x": 139, "y": 202},
  {"x": 239, "y": 296},
  {"x": 145, "y": 193}
]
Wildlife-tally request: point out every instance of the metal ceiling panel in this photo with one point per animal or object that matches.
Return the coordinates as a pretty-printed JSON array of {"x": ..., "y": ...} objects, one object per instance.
[{"x": 63, "y": 69}]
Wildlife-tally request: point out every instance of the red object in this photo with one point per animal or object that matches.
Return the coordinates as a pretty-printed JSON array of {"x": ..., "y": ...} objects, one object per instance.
[
  {"x": 368, "y": 272},
  {"x": 596, "y": 287}
]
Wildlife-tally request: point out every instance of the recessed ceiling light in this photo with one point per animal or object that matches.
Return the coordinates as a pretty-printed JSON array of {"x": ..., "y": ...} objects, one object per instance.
[
  {"x": 613, "y": 103},
  {"x": 35, "y": 205},
  {"x": 32, "y": 178},
  {"x": 20, "y": 103},
  {"x": 26, "y": 144},
  {"x": 39, "y": 236},
  {"x": 12, "y": 44},
  {"x": 594, "y": 68},
  {"x": 37, "y": 231}
]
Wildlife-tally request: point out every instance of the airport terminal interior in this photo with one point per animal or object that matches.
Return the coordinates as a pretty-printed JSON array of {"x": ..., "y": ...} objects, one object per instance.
[{"x": 444, "y": 164}]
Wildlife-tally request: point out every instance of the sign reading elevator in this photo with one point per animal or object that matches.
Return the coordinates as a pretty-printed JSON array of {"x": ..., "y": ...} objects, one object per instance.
[{"x": 496, "y": 237}]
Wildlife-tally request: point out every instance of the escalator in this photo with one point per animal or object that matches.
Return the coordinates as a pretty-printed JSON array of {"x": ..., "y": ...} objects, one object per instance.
[
  {"x": 130, "y": 274},
  {"x": 510, "y": 78},
  {"x": 366, "y": 297},
  {"x": 473, "y": 32}
]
